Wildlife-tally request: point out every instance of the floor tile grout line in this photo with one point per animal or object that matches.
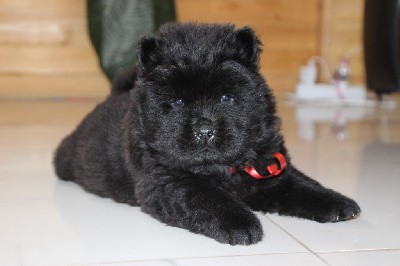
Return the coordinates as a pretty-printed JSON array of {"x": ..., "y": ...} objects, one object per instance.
[
  {"x": 297, "y": 240},
  {"x": 359, "y": 250},
  {"x": 205, "y": 257}
]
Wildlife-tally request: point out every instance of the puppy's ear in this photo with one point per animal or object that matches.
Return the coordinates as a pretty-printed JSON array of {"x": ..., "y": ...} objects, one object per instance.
[
  {"x": 149, "y": 52},
  {"x": 248, "y": 46}
]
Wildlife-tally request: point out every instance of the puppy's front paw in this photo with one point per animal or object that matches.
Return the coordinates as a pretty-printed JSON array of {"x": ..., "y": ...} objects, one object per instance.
[
  {"x": 336, "y": 208},
  {"x": 238, "y": 229}
]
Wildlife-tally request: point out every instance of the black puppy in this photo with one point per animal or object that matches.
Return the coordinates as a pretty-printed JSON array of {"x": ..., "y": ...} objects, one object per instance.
[{"x": 192, "y": 137}]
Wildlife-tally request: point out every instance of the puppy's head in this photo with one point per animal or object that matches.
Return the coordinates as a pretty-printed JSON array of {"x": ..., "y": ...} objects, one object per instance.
[{"x": 200, "y": 98}]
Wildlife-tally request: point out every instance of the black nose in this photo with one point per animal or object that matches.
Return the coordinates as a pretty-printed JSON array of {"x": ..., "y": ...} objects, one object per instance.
[{"x": 205, "y": 134}]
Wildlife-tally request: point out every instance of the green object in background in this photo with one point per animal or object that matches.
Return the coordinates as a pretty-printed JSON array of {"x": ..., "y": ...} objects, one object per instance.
[{"x": 115, "y": 27}]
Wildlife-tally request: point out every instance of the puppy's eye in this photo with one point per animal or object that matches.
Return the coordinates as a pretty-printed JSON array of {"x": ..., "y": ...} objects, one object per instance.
[
  {"x": 178, "y": 103},
  {"x": 227, "y": 99}
]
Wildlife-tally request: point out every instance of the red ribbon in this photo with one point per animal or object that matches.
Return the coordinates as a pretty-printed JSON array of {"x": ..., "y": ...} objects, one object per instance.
[{"x": 274, "y": 169}]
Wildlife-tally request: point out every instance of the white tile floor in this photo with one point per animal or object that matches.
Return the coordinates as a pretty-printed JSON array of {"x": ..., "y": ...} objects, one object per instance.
[{"x": 44, "y": 221}]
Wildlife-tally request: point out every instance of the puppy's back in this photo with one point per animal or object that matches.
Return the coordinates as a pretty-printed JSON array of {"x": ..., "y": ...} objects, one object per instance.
[{"x": 124, "y": 81}]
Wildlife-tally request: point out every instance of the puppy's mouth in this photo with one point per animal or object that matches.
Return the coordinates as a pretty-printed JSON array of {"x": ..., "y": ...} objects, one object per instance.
[{"x": 211, "y": 147}]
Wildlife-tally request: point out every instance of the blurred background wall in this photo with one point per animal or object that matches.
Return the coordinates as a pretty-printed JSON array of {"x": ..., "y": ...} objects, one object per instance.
[{"x": 45, "y": 49}]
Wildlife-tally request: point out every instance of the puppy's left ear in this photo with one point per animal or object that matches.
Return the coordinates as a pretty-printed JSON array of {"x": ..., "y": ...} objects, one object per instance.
[{"x": 248, "y": 45}]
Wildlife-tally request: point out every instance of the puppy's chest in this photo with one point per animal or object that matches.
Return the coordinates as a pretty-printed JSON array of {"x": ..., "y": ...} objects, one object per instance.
[{"x": 221, "y": 177}]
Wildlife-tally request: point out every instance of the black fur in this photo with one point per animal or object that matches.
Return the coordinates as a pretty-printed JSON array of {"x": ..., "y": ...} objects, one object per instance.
[{"x": 164, "y": 139}]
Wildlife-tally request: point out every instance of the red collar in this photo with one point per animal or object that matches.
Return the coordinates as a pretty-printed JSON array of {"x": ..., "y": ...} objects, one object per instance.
[{"x": 274, "y": 169}]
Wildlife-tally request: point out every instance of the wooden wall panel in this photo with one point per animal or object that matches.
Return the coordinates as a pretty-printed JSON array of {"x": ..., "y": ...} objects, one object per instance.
[
  {"x": 45, "y": 49},
  {"x": 288, "y": 30},
  {"x": 341, "y": 31}
]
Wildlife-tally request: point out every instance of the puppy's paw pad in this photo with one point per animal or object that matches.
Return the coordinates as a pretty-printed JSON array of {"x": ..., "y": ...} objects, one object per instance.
[
  {"x": 239, "y": 231},
  {"x": 245, "y": 236},
  {"x": 342, "y": 210}
]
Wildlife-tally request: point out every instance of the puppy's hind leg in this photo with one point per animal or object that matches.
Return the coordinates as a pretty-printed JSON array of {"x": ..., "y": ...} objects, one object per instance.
[{"x": 63, "y": 159}]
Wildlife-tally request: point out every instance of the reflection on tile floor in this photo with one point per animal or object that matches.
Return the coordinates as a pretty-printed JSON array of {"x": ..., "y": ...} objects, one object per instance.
[{"x": 44, "y": 221}]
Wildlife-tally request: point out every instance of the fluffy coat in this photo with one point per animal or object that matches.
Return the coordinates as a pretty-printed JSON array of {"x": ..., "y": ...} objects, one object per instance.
[{"x": 172, "y": 128}]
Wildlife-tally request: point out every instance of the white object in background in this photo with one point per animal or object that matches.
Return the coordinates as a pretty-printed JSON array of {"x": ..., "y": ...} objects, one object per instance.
[
  {"x": 338, "y": 90},
  {"x": 328, "y": 92},
  {"x": 308, "y": 73}
]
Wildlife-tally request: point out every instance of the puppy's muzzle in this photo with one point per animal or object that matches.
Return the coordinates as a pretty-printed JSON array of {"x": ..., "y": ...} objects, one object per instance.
[{"x": 205, "y": 135}]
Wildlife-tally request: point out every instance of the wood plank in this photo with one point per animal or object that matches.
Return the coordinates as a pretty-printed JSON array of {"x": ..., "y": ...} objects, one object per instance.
[
  {"x": 341, "y": 31},
  {"x": 33, "y": 32},
  {"x": 289, "y": 37},
  {"x": 42, "y": 9},
  {"x": 90, "y": 85},
  {"x": 47, "y": 60}
]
